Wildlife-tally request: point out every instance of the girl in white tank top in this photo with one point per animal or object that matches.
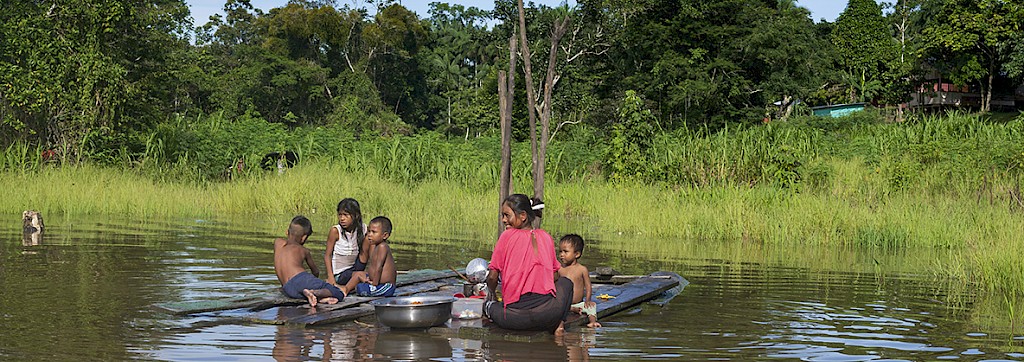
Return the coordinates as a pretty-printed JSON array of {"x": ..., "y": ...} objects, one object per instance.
[{"x": 342, "y": 254}]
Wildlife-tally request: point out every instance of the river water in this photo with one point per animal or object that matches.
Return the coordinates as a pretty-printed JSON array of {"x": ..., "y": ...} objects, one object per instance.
[{"x": 86, "y": 291}]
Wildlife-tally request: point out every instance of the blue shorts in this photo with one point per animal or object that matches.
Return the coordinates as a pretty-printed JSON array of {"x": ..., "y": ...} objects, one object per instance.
[
  {"x": 343, "y": 277},
  {"x": 379, "y": 290},
  {"x": 304, "y": 280}
]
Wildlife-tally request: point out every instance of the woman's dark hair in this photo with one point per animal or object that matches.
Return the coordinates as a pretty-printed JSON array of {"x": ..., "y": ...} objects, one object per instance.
[
  {"x": 351, "y": 206},
  {"x": 521, "y": 203}
]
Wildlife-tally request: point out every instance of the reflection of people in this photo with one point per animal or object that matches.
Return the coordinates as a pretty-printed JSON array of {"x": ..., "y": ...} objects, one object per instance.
[
  {"x": 524, "y": 260},
  {"x": 344, "y": 254},
  {"x": 292, "y": 346},
  {"x": 577, "y": 345},
  {"x": 347, "y": 344},
  {"x": 379, "y": 278},
  {"x": 289, "y": 255},
  {"x": 570, "y": 249}
]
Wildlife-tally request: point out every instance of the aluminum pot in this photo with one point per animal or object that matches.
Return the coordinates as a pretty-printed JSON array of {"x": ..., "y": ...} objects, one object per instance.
[
  {"x": 413, "y": 312},
  {"x": 476, "y": 270}
]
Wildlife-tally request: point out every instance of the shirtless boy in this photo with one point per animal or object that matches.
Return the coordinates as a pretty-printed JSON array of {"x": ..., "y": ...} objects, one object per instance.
[
  {"x": 570, "y": 249},
  {"x": 379, "y": 278},
  {"x": 296, "y": 282}
]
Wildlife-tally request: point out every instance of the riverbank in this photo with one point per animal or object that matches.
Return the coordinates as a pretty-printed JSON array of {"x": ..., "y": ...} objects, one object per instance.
[{"x": 851, "y": 209}]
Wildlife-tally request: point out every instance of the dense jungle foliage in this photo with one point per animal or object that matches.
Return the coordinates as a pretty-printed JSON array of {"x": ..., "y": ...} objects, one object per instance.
[{"x": 140, "y": 82}]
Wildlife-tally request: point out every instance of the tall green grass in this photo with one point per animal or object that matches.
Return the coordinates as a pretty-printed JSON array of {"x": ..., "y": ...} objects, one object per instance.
[{"x": 940, "y": 182}]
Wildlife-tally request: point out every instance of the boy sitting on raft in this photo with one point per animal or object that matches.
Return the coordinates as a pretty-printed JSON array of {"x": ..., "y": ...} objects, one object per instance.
[
  {"x": 296, "y": 282},
  {"x": 570, "y": 250},
  {"x": 379, "y": 278}
]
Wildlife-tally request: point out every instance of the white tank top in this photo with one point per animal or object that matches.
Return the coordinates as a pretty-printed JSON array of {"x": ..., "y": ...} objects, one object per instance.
[{"x": 346, "y": 249}]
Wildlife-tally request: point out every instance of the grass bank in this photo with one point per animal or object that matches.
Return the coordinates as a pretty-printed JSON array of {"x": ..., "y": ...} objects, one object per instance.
[
  {"x": 943, "y": 182},
  {"x": 848, "y": 211}
]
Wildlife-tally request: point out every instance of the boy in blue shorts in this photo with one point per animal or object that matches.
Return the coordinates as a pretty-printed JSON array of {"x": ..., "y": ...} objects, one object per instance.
[
  {"x": 379, "y": 278},
  {"x": 296, "y": 282}
]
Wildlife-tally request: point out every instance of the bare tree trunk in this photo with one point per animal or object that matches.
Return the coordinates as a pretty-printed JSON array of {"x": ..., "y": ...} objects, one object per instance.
[
  {"x": 986, "y": 103},
  {"x": 506, "y": 95},
  {"x": 545, "y": 114},
  {"x": 530, "y": 101}
]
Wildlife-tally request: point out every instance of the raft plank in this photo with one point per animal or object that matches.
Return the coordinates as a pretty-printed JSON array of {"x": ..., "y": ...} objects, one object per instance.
[
  {"x": 621, "y": 279},
  {"x": 626, "y": 295},
  {"x": 348, "y": 309},
  {"x": 279, "y": 299},
  {"x": 668, "y": 295}
]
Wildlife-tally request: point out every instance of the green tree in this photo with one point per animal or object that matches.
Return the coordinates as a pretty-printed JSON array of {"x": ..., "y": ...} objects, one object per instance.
[
  {"x": 458, "y": 61},
  {"x": 75, "y": 73},
  {"x": 392, "y": 42},
  {"x": 865, "y": 47},
  {"x": 631, "y": 140},
  {"x": 974, "y": 39},
  {"x": 784, "y": 58}
]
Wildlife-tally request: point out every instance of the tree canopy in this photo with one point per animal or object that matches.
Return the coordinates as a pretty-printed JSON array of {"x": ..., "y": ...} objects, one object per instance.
[{"x": 101, "y": 74}]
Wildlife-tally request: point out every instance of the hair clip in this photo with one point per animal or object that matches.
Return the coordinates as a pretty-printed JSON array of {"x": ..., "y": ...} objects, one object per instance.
[{"x": 538, "y": 206}]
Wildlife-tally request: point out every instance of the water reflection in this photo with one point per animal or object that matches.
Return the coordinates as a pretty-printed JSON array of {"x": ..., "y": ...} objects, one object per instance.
[
  {"x": 98, "y": 281},
  {"x": 32, "y": 238}
]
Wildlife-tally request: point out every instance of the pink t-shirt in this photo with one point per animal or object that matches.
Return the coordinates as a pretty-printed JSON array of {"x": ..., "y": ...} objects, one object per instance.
[{"x": 524, "y": 270}]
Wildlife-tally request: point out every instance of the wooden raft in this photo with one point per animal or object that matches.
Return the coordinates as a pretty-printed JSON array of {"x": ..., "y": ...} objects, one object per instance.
[
  {"x": 269, "y": 300},
  {"x": 348, "y": 309},
  {"x": 625, "y": 296}
]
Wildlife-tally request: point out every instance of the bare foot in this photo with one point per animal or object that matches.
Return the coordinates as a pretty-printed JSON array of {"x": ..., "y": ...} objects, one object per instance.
[
  {"x": 329, "y": 300},
  {"x": 560, "y": 331},
  {"x": 310, "y": 296},
  {"x": 594, "y": 325}
]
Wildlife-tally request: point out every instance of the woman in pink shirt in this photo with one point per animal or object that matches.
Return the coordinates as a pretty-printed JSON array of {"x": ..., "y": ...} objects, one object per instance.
[{"x": 533, "y": 296}]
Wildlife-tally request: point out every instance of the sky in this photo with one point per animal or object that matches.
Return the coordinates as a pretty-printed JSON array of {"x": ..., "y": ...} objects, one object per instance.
[{"x": 202, "y": 9}]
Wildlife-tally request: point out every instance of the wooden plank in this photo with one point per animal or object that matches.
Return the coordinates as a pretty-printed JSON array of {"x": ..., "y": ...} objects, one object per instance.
[
  {"x": 422, "y": 275},
  {"x": 667, "y": 296},
  {"x": 348, "y": 309},
  {"x": 264, "y": 301},
  {"x": 251, "y": 302},
  {"x": 626, "y": 295},
  {"x": 621, "y": 279}
]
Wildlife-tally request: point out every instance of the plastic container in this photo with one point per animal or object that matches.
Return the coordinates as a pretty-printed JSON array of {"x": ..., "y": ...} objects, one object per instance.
[{"x": 468, "y": 308}]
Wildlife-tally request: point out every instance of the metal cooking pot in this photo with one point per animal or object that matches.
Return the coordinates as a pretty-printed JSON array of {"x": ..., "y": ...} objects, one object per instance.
[
  {"x": 476, "y": 271},
  {"x": 413, "y": 312}
]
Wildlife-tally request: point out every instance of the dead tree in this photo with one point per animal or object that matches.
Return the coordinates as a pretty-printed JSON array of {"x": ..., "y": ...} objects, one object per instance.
[{"x": 506, "y": 93}]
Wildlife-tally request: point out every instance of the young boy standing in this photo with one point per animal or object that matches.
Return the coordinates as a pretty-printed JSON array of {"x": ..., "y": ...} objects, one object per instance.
[
  {"x": 379, "y": 278},
  {"x": 570, "y": 249},
  {"x": 296, "y": 282}
]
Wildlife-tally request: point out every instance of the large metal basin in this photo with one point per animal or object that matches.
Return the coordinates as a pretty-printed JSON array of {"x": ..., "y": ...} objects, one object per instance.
[{"x": 413, "y": 312}]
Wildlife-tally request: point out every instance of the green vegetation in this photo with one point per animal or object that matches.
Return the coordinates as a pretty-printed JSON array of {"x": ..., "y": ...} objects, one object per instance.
[{"x": 948, "y": 183}]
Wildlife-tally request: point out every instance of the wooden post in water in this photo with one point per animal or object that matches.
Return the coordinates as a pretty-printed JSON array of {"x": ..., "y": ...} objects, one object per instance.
[{"x": 506, "y": 95}]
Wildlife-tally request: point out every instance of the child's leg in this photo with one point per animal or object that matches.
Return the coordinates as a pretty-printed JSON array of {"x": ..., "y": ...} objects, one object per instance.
[
  {"x": 313, "y": 294},
  {"x": 357, "y": 277}
]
